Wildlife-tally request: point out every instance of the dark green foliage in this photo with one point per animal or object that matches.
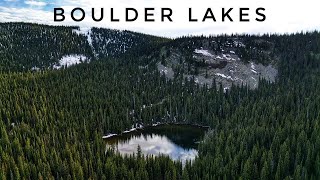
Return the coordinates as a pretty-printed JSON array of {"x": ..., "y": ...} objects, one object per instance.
[
  {"x": 24, "y": 46},
  {"x": 51, "y": 122},
  {"x": 114, "y": 43}
]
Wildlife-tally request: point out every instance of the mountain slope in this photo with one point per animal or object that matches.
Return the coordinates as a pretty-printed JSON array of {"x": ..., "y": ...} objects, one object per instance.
[
  {"x": 51, "y": 122},
  {"x": 237, "y": 60},
  {"x": 25, "y": 46}
]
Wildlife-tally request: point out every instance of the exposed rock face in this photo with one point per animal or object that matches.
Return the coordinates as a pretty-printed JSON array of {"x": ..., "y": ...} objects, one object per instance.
[
  {"x": 225, "y": 67},
  {"x": 167, "y": 71}
]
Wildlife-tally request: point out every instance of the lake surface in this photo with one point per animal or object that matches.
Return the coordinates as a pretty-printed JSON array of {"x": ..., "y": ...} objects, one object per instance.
[{"x": 179, "y": 142}]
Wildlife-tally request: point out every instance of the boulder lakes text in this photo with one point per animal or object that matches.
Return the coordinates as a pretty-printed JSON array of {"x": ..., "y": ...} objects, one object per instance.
[{"x": 148, "y": 15}]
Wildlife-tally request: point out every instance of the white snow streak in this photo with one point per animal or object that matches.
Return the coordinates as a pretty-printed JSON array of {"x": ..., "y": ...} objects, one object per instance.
[
  {"x": 253, "y": 68},
  {"x": 108, "y": 136},
  {"x": 86, "y": 31},
  {"x": 203, "y": 52},
  {"x": 224, "y": 76}
]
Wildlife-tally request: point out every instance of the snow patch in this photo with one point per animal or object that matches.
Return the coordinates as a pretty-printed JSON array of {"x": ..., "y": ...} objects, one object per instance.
[
  {"x": 134, "y": 128},
  {"x": 138, "y": 126},
  {"x": 156, "y": 124},
  {"x": 226, "y": 89},
  {"x": 70, "y": 60},
  {"x": 203, "y": 52},
  {"x": 254, "y": 71},
  {"x": 224, "y": 76},
  {"x": 108, "y": 136},
  {"x": 253, "y": 68}
]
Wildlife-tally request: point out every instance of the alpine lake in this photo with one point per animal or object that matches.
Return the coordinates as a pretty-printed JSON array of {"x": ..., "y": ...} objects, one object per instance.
[{"x": 179, "y": 142}]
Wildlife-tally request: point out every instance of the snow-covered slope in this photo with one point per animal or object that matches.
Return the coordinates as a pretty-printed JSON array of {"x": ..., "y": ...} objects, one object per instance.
[
  {"x": 113, "y": 43},
  {"x": 70, "y": 60}
]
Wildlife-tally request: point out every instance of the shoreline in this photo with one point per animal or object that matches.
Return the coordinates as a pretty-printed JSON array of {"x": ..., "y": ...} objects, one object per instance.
[{"x": 141, "y": 127}]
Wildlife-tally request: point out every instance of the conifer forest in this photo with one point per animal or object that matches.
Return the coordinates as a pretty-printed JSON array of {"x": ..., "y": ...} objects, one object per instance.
[{"x": 53, "y": 114}]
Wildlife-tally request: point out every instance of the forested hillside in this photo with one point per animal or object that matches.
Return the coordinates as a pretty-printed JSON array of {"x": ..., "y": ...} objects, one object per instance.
[
  {"x": 25, "y": 46},
  {"x": 52, "y": 121},
  {"x": 114, "y": 43}
]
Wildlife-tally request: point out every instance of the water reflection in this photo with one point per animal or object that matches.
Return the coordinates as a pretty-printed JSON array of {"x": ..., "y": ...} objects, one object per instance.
[{"x": 178, "y": 142}]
